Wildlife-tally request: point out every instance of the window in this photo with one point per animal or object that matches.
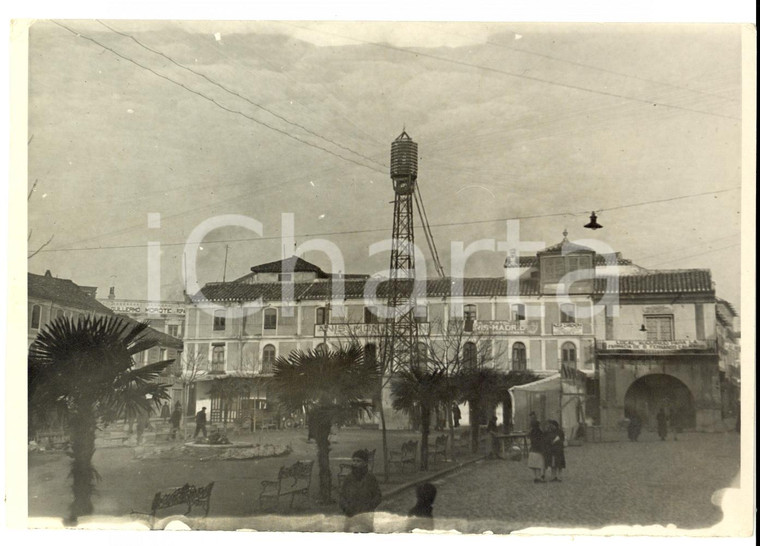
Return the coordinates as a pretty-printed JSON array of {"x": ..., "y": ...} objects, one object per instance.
[
  {"x": 35, "y": 319},
  {"x": 321, "y": 315},
  {"x": 567, "y": 313},
  {"x": 518, "y": 311},
  {"x": 217, "y": 358},
  {"x": 161, "y": 355},
  {"x": 569, "y": 355},
  {"x": 421, "y": 356},
  {"x": 370, "y": 353},
  {"x": 659, "y": 327},
  {"x": 421, "y": 313},
  {"x": 370, "y": 317},
  {"x": 470, "y": 315},
  {"x": 519, "y": 358},
  {"x": 268, "y": 358},
  {"x": 220, "y": 320},
  {"x": 470, "y": 355},
  {"x": 270, "y": 319},
  {"x": 285, "y": 277},
  {"x": 173, "y": 330}
]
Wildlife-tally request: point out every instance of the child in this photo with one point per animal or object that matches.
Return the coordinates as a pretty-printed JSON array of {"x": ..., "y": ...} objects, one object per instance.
[{"x": 422, "y": 513}]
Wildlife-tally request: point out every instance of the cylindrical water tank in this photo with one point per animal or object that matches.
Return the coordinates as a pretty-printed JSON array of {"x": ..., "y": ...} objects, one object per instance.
[{"x": 404, "y": 157}]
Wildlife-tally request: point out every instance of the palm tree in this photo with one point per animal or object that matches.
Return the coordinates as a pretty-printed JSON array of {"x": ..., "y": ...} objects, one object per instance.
[
  {"x": 481, "y": 388},
  {"x": 419, "y": 390},
  {"x": 84, "y": 371},
  {"x": 333, "y": 386}
]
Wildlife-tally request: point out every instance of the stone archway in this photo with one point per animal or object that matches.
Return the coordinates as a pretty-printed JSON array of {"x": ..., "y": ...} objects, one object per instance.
[{"x": 648, "y": 394}]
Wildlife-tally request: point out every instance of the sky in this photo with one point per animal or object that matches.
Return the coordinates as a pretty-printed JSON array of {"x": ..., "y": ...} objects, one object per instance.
[{"x": 187, "y": 121}]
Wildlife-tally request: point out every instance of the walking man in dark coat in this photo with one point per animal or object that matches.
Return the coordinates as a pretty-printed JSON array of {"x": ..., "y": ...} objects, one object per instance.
[{"x": 200, "y": 422}]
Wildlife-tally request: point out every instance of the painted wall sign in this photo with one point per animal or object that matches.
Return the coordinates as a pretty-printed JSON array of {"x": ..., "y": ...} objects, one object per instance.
[
  {"x": 144, "y": 307},
  {"x": 567, "y": 329},
  {"x": 360, "y": 329},
  {"x": 653, "y": 345},
  {"x": 658, "y": 310},
  {"x": 495, "y": 327}
]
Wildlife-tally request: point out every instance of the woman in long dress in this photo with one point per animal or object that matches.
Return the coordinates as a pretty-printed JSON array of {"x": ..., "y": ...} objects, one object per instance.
[{"x": 536, "y": 453}]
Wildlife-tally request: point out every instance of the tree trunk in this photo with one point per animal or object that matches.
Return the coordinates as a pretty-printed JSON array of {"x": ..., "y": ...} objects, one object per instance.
[
  {"x": 425, "y": 426},
  {"x": 82, "y": 431},
  {"x": 475, "y": 424},
  {"x": 322, "y": 425},
  {"x": 386, "y": 462}
]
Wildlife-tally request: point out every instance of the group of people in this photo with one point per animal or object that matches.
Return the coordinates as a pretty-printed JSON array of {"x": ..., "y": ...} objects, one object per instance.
[
  {"x": 666, "y": 422},
  {"x": 547, "y": 450},
  {"x": 360, "y": 495}
]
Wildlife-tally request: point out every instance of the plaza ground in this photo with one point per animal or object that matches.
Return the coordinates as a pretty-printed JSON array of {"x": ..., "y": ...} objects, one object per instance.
[{"x": 649, "y": 482}]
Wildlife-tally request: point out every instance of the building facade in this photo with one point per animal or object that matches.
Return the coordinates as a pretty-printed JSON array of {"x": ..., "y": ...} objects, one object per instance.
[
  {"x": 640, "y": 338},
  {"x": 50, "y": 298}
]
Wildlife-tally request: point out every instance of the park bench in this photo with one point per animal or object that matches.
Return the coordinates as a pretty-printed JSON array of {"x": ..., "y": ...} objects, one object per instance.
[
  {"x": 52, "y": 440},
  {"x": 407, "y": 455},
  {"x": 439, "y": 448},
  {"x": 291, "y": 480},
  {"x": 187, "y": 494},
  {"x": 344, "y": 469}
]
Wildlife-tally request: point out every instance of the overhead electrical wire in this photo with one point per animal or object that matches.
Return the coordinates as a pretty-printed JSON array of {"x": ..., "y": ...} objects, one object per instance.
[
  {"x": 214, "y": 101},
  {"x": 235, "y": 93},
  {"x": 375, "y": 230},
  {"x": 589, "y": 66},
  {"x": 515, "y": 74}
]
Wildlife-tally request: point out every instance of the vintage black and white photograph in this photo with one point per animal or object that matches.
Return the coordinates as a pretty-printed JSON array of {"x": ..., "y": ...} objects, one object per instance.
[{"x": 387, "y": 277}]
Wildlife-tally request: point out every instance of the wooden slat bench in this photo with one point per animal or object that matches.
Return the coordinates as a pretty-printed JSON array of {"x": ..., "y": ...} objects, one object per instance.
[
  {"x": 439, "y": 448},
  {"x": 187, "y": 494},
  {"x": 291, "y": 480},
  {"x": 407, "y": 455}
]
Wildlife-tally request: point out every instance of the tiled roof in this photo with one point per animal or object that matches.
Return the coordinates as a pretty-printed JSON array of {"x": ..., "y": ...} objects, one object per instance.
[
  {"x": 289, "y": 265},
  {"x": 355, "y": 289},
  {"x": 162, "y": 339},
  {"x": 565, "y": 247},
  {"x": 658, "y": 282},
  {"x": 63, "y": 292}
]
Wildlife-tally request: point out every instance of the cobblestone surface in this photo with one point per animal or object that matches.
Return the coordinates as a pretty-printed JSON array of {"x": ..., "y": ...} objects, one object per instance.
[{"x": 643, "y": 483}]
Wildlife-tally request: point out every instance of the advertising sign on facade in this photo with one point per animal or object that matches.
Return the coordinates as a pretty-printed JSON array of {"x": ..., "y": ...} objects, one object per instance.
[
  {"x": 359, "y": 329},
  {"x": 503, "y": 327},
  {"x": 144, "y": 307},
  {"x": 567, "y": 329},
  {"x": 653, "y": 345}
]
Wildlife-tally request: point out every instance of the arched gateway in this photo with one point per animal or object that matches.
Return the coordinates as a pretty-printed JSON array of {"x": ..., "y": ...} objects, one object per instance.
[{"x": 647, "y": 394}]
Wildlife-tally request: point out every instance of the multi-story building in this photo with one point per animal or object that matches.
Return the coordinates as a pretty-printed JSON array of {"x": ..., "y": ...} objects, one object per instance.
[
  {"x": 50, "y": 297},
  {"x": 729, "y": 356},
  {"x": 637, "y": 339}
]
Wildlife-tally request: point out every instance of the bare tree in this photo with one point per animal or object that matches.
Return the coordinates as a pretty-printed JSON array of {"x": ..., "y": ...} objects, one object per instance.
[
  {"x": 460, "y": 353},
  {"x": 29, "y": 235},
  {"x": 192, "y": 367}
]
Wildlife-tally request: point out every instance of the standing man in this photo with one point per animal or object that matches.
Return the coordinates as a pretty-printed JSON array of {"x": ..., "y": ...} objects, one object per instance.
[
  {"x": 175, "y": 420},
  {"x": 200, "y": 422},
  {"x": 457, "y": 414},
  {"x": 662, "y": 424},
  {"x": 360, "y": 495},
  {"x": 492, "y": 429}
]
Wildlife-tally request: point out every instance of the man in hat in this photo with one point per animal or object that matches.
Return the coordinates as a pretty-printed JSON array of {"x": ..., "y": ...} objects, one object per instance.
[{"x": 360, "y": 495}]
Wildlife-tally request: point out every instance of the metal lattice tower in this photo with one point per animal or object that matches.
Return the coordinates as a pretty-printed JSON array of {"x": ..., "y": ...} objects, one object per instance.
[{"x": 401, "y": 331}]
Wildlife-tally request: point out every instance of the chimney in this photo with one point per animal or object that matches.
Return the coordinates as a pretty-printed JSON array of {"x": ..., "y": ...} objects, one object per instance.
[{"x": 112, "y": 293}]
